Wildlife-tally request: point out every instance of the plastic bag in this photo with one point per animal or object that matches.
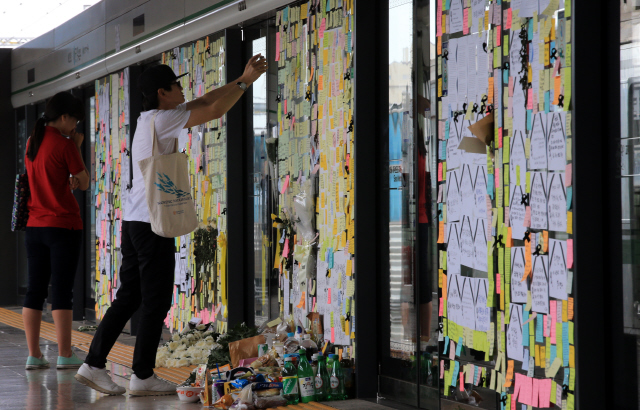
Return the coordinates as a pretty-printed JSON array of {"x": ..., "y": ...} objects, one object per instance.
[
  {"x": 304, "y": 206},
  {"x": 239, "y": 405},
  {"x": 268, "y": 402}
]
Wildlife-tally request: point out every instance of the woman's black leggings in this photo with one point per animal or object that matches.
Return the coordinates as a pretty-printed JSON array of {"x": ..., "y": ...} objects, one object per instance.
[{"x": 52, "y": 254}]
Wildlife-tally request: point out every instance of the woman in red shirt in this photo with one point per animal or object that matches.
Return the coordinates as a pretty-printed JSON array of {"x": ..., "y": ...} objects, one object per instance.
[{"x": 54, "y": 230}]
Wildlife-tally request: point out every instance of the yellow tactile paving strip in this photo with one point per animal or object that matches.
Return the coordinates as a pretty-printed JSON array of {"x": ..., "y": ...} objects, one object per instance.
[{"x": 122, "y": 354}]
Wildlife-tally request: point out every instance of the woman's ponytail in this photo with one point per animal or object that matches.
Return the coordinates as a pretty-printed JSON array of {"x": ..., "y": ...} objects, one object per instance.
[{"x": 36, "y": 138}]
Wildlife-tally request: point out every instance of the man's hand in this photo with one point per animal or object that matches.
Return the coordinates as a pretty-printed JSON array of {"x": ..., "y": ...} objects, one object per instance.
[
  {"x": 76, "y": 137},
  {"x": 256, "y": 66},
  {"x": 74, "y": 183}
]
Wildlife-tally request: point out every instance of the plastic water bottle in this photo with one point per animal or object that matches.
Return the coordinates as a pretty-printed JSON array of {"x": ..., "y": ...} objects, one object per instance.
[
  {"x": 336, "y": 379},
  {"x": 310, "y": 346},
  {"x": 290, "y": 382},
  {"x": 291, "y": 345},
  {"x": 323, "y": 388},
  {"x": 314, "y": 363},
  {"x": 306, "y": 379}
]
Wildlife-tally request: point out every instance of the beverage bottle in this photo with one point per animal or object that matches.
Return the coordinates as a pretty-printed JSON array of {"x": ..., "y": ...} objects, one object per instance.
[
  {"x": 310, "y": 346},
  {"x": 291, "y": 345},
  {"x": 347, "y": 371},
  {"x": 306, "y": 379},
  {"x": 323, "y": 387},
  {"x": 314, "y": 363},
  {"x": 336, "y": 379},
  {"x": 290, "y": 382}
]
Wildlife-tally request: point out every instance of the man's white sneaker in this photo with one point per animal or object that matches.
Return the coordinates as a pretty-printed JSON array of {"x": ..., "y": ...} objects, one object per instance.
[
  {"x": 98, "y": 379},
  {"x": 151, "y": 386}
]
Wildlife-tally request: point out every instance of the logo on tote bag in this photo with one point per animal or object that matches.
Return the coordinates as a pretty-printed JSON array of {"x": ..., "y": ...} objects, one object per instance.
[{"x": 166, "y": 185}]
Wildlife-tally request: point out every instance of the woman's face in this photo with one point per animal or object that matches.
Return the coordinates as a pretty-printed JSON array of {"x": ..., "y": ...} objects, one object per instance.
[{"x": 68, "y": 124}]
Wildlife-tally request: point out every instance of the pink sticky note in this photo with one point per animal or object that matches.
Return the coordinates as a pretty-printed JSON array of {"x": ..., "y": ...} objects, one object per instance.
[
  {"x": 535, "y": 393},
  {"x": 498, "y": 35},
  {"x": 441, "y": 369},
  {"x": 285, "y": 250},
  {"x": 525, "y": 390},
  {"x": 516, "y": 388},
  {"x": 452, "y": 350},
  {"x": 333, "y": 334},
  {"x": 553, "y": 315},
  {"x": 544, "y": 389},
  {"x": 465, "y": 24},
  {"x": 314, "y": 304},
  {"x": 218, "y": 208},
  {"x": 499, "y": 138},
  {"x": 285, "y": 185},
  {"x": 277, "y": 46},
  {"x": 527, "y": 217},
  {"x": 509, "y": 19},
  {"x": 323, "y": 26},
  {"x": 556, "y": 67},
  {"x": 329, "y": 296},
  {"x": 568, "y": 173},
  {"x": 530, "y": 99},
  {"x": 440, "y": 171},
  {"x": 510, "y": 85},
  {"x": 498, "y": 290},
  {"x": 441, "y": 309},
  {"x": 439, "y": 21},
  {"x": 546, "y": 326},
  {"x": 285, "y": 107},
  {"x": 462, "y": 374},
  {"x": 569, "y": 253}
]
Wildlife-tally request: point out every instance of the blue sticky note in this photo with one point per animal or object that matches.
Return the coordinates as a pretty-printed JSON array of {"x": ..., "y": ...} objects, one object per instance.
[
  {"x": 443, "y": 150},
  {"x": 525, "y": 328},
  {"x": 475, "y": 373},
  {"x": 490, "y": 184},
  {"x": 525, "y": 360},
  {"x": 566, "y": 376},
  {"x": 529, "y": 115},
  {"x": 530, "y": 30},
  {"x": 503, "y": 401},
  {"x": 569, "y": 197},
  {"x": 447, "y": 5},
  {"x": 285, "y": 14},
  {"x": 456, "y": 370},
  {"x": 349, "y": 43},
  {"x": 330, "y": 262},
  {"x": 446, "y": 345},
  {"x": 539, "y": 336},
  {"x": 459, "y": 347},
  {"x": 565, "y": 344},
  {"x": 505, "y": 76},
  {"x": 328, "y": 5},
  {"x": 440, "y": 216},
  {"x": 547, "y": 102},
  {"x": 447, "y": 128},
  {"x": 552, "y": 60},
  {"x": 552, "y": 353}
]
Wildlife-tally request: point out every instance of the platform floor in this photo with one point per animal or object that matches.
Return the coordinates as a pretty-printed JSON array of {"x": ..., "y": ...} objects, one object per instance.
[{"x": 57, "y": 389}]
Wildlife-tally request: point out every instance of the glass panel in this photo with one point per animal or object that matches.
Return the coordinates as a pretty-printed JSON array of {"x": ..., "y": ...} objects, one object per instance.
[
  {"x": 630, "y": 161},
  {"x": 261, "y": 219},
  {"x": 398, "y": 361}
]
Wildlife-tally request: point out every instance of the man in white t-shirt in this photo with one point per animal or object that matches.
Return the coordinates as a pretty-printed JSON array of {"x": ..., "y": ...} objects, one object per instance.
[{"x": 147, "y": 270}]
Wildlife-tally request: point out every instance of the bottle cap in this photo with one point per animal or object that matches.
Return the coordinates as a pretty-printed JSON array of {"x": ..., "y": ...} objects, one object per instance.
[
  {"x": 320, "y": 354},
  {"x": 290, "y": 334},
  {"x": 332, "y": 356},
  {"x": 314, "y": 356},
  {"x": 302, "y": 351},
  {"x": 288, "y": 359}
]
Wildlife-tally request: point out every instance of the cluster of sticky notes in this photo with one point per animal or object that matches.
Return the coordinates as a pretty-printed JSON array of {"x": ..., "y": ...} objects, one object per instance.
[
  {"x": 315, "y": 136},
  {"x": 505, "y": 213},
  {"x": 112, "y": 162}
]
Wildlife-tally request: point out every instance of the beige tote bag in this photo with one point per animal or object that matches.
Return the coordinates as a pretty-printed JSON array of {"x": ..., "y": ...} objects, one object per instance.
[{"x": 166, "y": 182}]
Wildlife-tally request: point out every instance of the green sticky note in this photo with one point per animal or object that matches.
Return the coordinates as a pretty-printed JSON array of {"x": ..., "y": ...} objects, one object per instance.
[
  {"x": 497, "y": 57},
  {"x": 444, "y": 170},
  {"x": 571, "y": 332},
  {"x": 500, "y": 219},
  {"x": 567, "y": 8},
  {"x": 528, "y": 184},
  {"x": 501, "y": 261},
  {"x": 506, "y": 150},
  {"x": 518, "y": 174},
  {"x": 505, "y": 45}
]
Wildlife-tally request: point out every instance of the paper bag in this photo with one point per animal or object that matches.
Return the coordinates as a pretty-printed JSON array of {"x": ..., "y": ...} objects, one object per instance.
[{"x": 244, "y": 349}]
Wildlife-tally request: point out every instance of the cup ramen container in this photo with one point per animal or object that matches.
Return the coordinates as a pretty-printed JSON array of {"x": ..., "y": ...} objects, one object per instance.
[{"x": 262, "y": 349}]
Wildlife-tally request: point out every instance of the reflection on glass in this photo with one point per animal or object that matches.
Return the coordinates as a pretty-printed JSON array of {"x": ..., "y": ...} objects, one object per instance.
[
  {"x": 402, "y": 206},
  {"x": 261, "y": 218}
]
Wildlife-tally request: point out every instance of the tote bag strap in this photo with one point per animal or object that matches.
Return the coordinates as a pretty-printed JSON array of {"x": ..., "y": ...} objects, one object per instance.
[{"x": 154, "y": 136}]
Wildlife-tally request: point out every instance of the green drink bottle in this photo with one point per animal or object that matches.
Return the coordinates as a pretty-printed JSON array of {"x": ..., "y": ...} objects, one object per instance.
[
  {"x": 306, "y": 379},
  {"x": 323, "y": 388},
  {"x": 336, "y": 379},
  {"x": 290, "y": 382}
]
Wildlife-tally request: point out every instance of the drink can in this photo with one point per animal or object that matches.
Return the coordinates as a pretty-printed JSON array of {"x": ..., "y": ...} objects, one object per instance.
[{"x": 262, "y": 349}]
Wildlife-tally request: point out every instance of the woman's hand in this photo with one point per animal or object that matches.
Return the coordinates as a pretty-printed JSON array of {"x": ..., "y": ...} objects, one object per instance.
[
  {"x": 256, "y": 66},
  {"x": 74, "y": 183},
  {"x": 77, "y": 137}
]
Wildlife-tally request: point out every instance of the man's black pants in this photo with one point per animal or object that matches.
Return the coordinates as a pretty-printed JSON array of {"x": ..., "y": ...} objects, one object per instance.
[{"x": 146, "y": 277}]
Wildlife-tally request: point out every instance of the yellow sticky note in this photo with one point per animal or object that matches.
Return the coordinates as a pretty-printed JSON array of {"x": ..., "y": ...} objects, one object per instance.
[{"x": 570, "y": 222}]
